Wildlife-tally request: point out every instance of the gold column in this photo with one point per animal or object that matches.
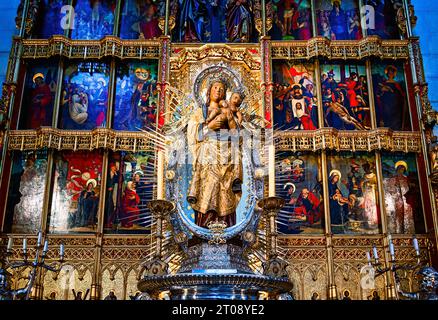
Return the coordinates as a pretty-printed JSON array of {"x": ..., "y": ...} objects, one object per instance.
[
  {"x": 118, "y": 18},
  {"x": 267, "y": 87},
  {"x": 313, "y": 12},
  {"x": 163, "y": 83},
  {"x": 166, "y": 23},
  {"x": 12, "y": 79},
  {"x": 111, "y": 94},
  {"x": 263, "y": 4},
  {"x": 96, "y": 283},
  {"x": 371, "y": 94},
  {"x": 59, "y": 93},
  {"x": 319, "y": 93},
  {"x": 332, "y": 289},
  {"x": 390, "y": 286}
]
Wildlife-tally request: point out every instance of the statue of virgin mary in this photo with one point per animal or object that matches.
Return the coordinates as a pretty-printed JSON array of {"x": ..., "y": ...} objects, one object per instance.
[{"x": 215, "y": 188}]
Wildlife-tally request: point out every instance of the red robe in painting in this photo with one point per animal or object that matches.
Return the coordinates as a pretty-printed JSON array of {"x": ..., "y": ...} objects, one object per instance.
[
  {"x": 44, "y": 97},
  {"x": 130, "y": 204},
  {"x": 308, "y": 207}
]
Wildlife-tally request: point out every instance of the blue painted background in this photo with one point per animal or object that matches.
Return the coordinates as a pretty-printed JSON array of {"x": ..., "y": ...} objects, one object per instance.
[
  {"x": 8, "y": 10},
  {"x": 427, "y": 30}
]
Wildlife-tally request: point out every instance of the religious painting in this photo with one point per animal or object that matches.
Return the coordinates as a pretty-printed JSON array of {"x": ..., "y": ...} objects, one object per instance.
[
  {"x": 291, "y": 20},
  {"x": 295, "y": 100},
  {"x": 298, "y": 181},
  {"x": 50, "y": 18},
  {"x": 339, "y": 19},
  {"x": 140, "y": 19},
  {"x": 391, "y": 96},
  {"x": 76, "y": 192},
  {"x": 213, "y": 21},
  {"x": 129, "y": 187},
  {"x": 402, "y": 193},
  {"x": 26, "y": 191},
  {"x": 94, "y": 19},
  {"x": 345, "y": 96},
  {"x": 353, "y": 193},
  {"x": 84, "y": 98},
  {"x": 39, "y": 95},
  {"x": 381, "y": 18},
  {"x": 136, "y": 96}
]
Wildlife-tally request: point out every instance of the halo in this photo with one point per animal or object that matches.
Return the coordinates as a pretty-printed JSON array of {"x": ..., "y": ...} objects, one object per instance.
[
  {"x": 139, "y": 172},
  {"x": 290, "y": 184},
  {"x": 86, "y": 176},
  {"x": 102, "y": 80},
  {"x": 337, "y": 172},
  {"x": 93, "y": 182},
  {"x": 390, "y": 67},
  {"x": 401, "y": 163},
  {"x": 141, "y": 69},
  {"x": 37, "y": 75},
  {"x": 297, "y": 161},
  {"x": 293, "y": 85},
  {"x": 219, "y": 72}
]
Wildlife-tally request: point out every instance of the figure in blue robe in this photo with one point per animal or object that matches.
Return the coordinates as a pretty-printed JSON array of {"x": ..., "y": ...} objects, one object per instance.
[{"x": 191, "y": 21}]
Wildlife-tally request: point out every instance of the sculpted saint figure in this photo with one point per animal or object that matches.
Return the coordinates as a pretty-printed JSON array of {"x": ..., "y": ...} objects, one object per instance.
[{"x": 215, "y": 188}]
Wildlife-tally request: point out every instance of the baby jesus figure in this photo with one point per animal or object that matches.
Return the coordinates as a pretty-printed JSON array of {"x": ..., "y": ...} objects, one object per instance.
[{"x": 228, "y": 112}]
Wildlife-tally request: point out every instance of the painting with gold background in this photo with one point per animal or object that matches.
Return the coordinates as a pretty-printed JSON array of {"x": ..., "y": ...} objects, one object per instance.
[
  {"x": 295, "y": 97},
  {"x": 353, "y": 192},
  {"x": 26, "y": 191},
  {"x": 129, "y": 187},
  {"x": 401, "y": 186},
  {"x": 76, "y": 192}
]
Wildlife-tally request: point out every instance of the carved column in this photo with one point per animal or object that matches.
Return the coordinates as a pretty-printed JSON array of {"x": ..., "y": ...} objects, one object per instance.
[
  {"x": 160, "y": 209},
  {"x": 390, "y": 286}
]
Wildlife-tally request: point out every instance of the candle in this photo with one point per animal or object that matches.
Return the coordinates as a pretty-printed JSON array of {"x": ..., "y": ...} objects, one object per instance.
[
  {"x": 40, "y": 238},
  {"x": 24, "y": 245},
  {"x": 416, "y": 247},
  {"x": 376, "y": 256},
  {"x": 271, "y": 168},
  {"x": 61, "y": 251},
  {"x": 46, "y": 246},
  {"x": 391, "y": 251},
  {"x": 389, "y": 238},
  {"x": 10, "y": 243},
  {"x": 368, "y": 257},
  {"x": 160, "y": 175}
]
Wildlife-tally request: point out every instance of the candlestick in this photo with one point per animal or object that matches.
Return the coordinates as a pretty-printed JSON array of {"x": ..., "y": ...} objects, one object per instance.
[
  {"x": 40, "y": 238},
  {"x": 35, "y": 264}
]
